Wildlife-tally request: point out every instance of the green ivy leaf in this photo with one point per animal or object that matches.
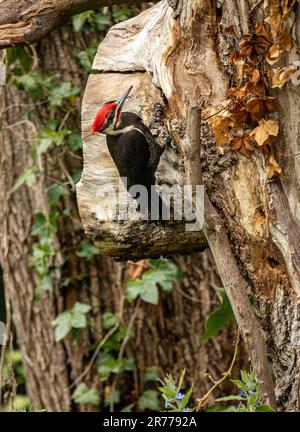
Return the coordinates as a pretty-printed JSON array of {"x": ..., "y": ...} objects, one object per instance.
[
  {"x": 107, "y": 364},
  {"x": 149, "y": 400},
  {"x": 62, "y": 324},
  {"x": 85, "y": 395},
  {"x": 150, "y": 295},
  {"x": 78, "y": 315},
  {"x": 30, "y": 84},
  {"x": 218, "y": 319},
  {"x": 55, "y": 192},
  {"x": 48, "y": 137},
  {"x": 109, "y": 320},
  {"x": 162, "y": 273},
  {"x": 44, "y": 228},
  {"x": 27, "y": 177},
  {"x": 74, "y": 141},
  {"x": 151, "y": 374},
  {"x": 21, "y": 54},
  {"x": 87, "y": 250},
  {"x": 80, "y": 19},
  {"x": 62, "y": 91},
  {"x": 85, "y": 57},
  {"x": 128, "y": 408},
  {"x": 73, "y": 318},
  {"x": 121, "y": 14}
]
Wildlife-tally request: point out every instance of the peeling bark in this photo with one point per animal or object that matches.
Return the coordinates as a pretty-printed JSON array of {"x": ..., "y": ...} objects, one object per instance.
[{"x": 185, "y": 51}]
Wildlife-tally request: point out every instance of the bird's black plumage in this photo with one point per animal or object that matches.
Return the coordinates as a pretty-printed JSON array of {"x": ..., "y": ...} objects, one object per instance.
[{"x": 135, "y": 152}]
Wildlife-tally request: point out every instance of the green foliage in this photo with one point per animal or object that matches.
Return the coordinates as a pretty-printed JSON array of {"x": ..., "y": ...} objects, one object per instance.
[
  {"x": 74, "y": 141},
  {"x": 121, "y": 13},
  {"x": 90, "y": 21},
  {"x": 85, "y": 395},
  {"x": 65, "y": 90},
  {"x": 111, "y": 395},
  {"x": 27, "y": 177},
  {"x": 149, "y": 400},
  {"x": 43, "y": 251},
  {"x": 20, "y": 54},
  {"x": 20, "y": 403},
  {"x": 85, "y": 57},
  {"x": 175, "y": 400},
  {"x": 248, "y": 397},
  {"x": 55, "y": 192},
  {"x": 48, "y": 137},
  {"x": 74, "y": 318},
  {"x": 150, "y": 374},
  {"x": 109, "y": 320},
  {"x": 161, "y": 273},
  {"x": 43, "y": 87},
  {"x": 13, "y": 365},
  {"x": 35, "y": 85},
  {"x": 108, "y": 365},
  {"x": 87, "y": 250},
  {"x": 43, "y": 227},
  {"x": 218, "y": 319}
]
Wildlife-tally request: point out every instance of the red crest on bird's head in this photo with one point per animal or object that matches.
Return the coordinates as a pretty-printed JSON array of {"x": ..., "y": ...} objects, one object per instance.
[
  {"x": 102, "y": 115},
  {"x": 108, "y": 115}
]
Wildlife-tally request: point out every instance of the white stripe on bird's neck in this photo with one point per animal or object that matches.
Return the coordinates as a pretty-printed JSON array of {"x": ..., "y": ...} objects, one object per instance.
[{"x": 111, "y": 131}]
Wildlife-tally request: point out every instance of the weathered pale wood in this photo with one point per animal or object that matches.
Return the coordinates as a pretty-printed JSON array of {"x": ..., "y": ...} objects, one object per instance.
[
  {"x": 185, "y": 52},
  {"x": 132, "y": 238}
]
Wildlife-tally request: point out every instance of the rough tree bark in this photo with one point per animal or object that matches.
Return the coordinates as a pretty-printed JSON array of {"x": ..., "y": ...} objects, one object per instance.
[
  {"x": 166, "y": 337},
  {"x": 27, "y": 21},
  {"x": 185, "y": 49}
]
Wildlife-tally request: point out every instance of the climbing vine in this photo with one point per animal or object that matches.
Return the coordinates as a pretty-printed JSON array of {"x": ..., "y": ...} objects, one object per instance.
[{"x": 248, "y": 121}]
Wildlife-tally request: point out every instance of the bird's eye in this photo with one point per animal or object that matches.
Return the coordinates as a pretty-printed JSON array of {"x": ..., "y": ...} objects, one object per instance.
[{"x": 109, "y": 119}]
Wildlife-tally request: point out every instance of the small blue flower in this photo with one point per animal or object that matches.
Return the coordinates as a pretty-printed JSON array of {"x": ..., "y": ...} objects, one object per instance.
[
  {"x": 242, "y": 393},
  {"x": 179, "y": 396},
  {"x": 166, "y": 404},
  {"x": 186, "y": 409},
  {"x": 252, "y": 392}
]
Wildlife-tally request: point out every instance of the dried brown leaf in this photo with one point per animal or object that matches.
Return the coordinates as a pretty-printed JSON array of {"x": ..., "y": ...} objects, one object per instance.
[
  {"x": 282, "y": 75},
  {"x": 273, "y": 168},
  {"x": 258, "y": 107},
  {"x": 264, "y": 130},
  {"x": 243, "y": 144}
]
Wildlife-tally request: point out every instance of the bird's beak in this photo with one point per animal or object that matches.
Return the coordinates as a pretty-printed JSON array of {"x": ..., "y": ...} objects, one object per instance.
[{"x": 123, "y": 98}]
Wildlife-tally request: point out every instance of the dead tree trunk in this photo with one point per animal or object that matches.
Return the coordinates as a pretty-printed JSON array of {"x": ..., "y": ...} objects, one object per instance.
[
  {"x": 185, "y": 48},
  {"x": 166, "y": 337}
]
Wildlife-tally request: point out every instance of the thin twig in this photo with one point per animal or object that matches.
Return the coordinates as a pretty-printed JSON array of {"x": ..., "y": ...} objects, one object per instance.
[
  {"x": 94, "y": 356},
  {"x": 216, "y": 113},
  {"x": 122, "y": 349},
  {"x": 203, "y": 401}
]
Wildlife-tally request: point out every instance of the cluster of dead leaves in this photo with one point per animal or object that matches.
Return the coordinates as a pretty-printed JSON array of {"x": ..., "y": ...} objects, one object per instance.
[{"x": 247, "y": 121}]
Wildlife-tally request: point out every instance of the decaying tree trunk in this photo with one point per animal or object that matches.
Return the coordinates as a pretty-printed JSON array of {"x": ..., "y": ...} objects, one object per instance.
[
  {"x": 166, "y": 337},
  {"x": 184, "y": 48}
]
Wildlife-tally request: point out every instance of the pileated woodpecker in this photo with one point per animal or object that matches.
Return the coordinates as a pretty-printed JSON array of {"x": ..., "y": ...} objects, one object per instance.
[{"x": 132, "y": 147}]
